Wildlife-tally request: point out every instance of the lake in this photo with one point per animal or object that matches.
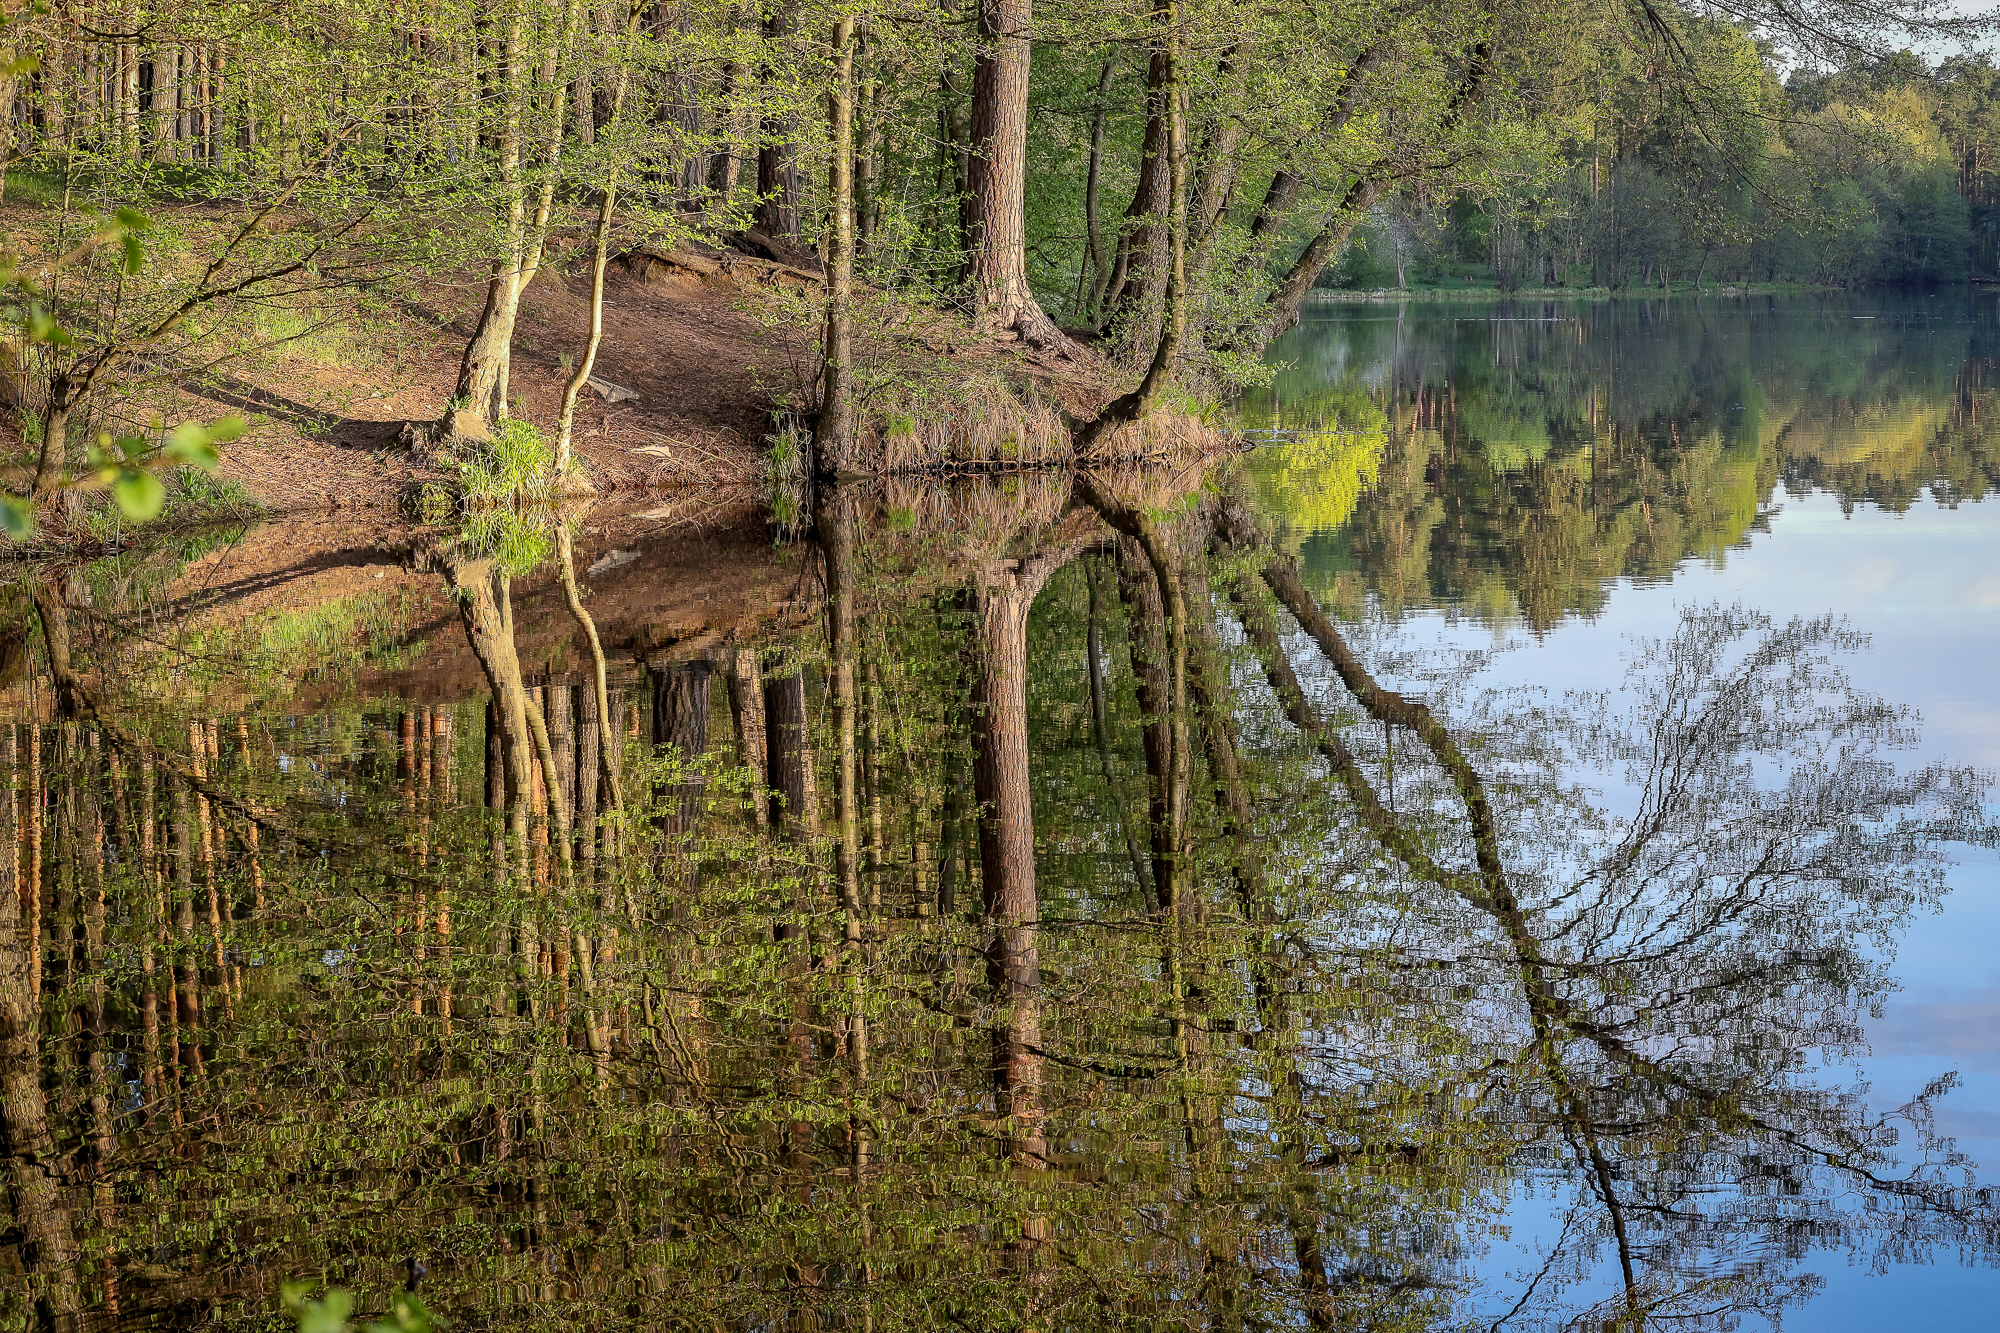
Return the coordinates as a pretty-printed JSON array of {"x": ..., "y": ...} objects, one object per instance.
[{"x": 1514, "y": 850}]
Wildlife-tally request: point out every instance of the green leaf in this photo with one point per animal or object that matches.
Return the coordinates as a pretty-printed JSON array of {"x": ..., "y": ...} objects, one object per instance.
[
  {"x": 192, "y": 443},
  {"x": 140, "y": 495},
  {"x": 227, "y": 429},
  {"x": 42, "y": 328},
  {"x": 135, "y": 254},
  {"x": 17, "y": 518},
  {"x": 322, "y": 1316}
]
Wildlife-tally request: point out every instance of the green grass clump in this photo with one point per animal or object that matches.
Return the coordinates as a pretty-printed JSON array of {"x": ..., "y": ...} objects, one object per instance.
[
  {"x": 514, "y": 466},
  {"x": 504, "y": 484}
]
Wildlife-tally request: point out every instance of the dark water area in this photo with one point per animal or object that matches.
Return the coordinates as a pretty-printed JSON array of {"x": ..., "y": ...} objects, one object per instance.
[{"x": 1517, "y": 854}]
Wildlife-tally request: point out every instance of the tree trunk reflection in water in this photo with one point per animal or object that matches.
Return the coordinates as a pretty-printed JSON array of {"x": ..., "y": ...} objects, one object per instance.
[
  {"x": 680, "y": 730},
  {"x": 618, "y": 1118},
  {"x": 40, "y": 1211},
  {"x": 1001, "y": 781}
]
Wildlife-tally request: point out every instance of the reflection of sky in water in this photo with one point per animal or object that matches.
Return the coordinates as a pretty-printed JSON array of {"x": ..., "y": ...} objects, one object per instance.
[{"x": 1925, "y": 586}]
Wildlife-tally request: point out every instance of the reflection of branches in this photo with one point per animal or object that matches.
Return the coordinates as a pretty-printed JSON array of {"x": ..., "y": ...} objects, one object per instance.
[{"x": 1723, "y": 907}]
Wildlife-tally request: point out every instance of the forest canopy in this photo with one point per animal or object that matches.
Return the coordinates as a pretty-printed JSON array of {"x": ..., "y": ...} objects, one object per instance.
[
  {"x": 1164, "y": 182},
  {"x": 1879, "y": 172}
]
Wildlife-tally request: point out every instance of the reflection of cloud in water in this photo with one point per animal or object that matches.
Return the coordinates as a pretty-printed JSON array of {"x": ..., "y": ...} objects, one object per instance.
[{"x": 1965, "y": 1028}]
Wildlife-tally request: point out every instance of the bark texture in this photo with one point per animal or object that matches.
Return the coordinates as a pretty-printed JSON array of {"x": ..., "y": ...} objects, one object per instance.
[{"x": 997, "y": 235}]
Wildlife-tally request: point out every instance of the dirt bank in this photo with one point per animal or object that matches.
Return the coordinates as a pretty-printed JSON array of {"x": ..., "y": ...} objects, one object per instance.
[{"x": 326, "y": 421}]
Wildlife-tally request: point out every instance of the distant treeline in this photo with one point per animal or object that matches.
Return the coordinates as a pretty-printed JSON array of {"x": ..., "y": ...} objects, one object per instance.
[{"x": 1879, "y": 174}]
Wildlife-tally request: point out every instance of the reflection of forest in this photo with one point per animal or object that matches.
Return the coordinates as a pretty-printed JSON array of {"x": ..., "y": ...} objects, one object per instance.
[
  {"x": 1524, "y": 456},
  {"x": 1064, "y": 929}
]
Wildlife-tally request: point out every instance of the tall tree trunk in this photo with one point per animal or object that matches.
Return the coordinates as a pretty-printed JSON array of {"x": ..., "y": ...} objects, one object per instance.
[
  {"x": 726, "y": 166},
  {"x": 1091, "y": 274},
  {"x": 479, "y": 397},
  {"x": 680, "y": 108},
  {"x": 680, "y": 727},
  {"x": 955, "y": 166},
  {"x": 746, "y": 701},
  {"x": 166, "y": 65},
  {"x": 1144, "y": 239},
  {"x": 1281, "y": 308},
  {"x": 1146, "y": 622},
  {"x": 1007, "y": 854},
  {"x": 777, "y": 160},
  {"x": 1139, "y": 401},
  {"x": 835, "y": 433},
  {"x": 1000, "y": 748},
  {"x": 1001, "y": 297},
  {"x": 37, "y": 1167},
  {"x": 1142, "y": 871}
]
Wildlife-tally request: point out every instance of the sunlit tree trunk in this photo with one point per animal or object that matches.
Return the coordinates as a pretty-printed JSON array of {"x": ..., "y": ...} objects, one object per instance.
[
  {"x": 997, "y": 237},
  {"x": 835, "y": 431}
]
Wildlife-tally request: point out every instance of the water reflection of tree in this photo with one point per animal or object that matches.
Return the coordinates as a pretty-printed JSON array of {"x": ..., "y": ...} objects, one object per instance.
[
  {"x": 593, "y": 1064},
  {"x": 1658, "y": 977},
  {"x": 1531, "y": 459}
]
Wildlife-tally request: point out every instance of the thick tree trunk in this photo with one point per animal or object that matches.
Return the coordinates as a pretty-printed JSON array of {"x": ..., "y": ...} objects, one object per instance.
[
  {"x": 1000, "y": 746},
  {"x": 479, "y": 397},
  {"x": 166, "y": 104},
  {"x": 746, "y": 701},
  {"x": 680, "y": 108},
  {"x": 1007, "y": 852},
  {"x": 777, "y": 162},
  {"x": 788, "y": 742},
  {"x": 997, "y": 240},
  {"x": 1217, "y": 154},
  {"x": 680, "y": 728}
]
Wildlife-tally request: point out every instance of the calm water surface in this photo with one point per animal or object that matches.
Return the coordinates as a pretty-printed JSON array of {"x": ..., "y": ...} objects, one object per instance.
[{"x": 1542, "y": 881}]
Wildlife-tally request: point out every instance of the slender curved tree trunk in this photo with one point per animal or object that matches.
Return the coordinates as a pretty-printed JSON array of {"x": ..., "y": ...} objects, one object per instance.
[
  {"x": 1092, "y": 274},
  {"x": 1281, "y": 309}
]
